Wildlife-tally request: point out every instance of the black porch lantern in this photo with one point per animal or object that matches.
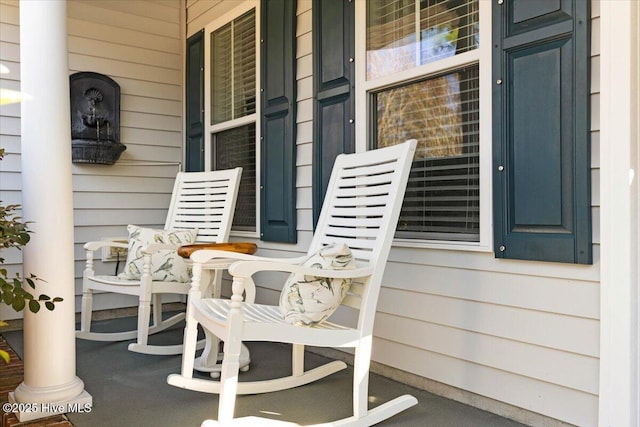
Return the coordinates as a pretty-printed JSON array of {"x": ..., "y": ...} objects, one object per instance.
[{"x": 95, "y": 119}]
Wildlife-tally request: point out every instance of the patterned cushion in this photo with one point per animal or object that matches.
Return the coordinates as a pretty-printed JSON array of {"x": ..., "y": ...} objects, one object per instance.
[
  {"x": 166, "y": 264},
  {"x": 307, "y": 300}
]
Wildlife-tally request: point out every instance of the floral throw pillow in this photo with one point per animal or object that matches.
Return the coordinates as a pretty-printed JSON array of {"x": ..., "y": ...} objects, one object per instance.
[
  {"x": 166, "y": 264},
  {"x": 308, "y": 300}
]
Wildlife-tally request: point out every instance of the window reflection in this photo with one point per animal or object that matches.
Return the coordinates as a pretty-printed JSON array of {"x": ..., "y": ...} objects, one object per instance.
[{"x": 398, "y": 38}]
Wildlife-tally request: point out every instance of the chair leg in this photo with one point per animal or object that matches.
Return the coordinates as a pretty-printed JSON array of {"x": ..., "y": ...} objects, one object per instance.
[
  {"x": 229, "y": 380},
  {"x": 297, "y": 360},
  {"x": 231, "y": 360},
  {"x": 361, "y": 363},
  {"x": 144, "y": 312},
  {"x": 190, "y": 343},
  {"x": 209, "y": 286},
  {"x": 86, "y": 310},
  {"x": 87, "y": 294},
  {"x": 190, "y": 338},
  {"x": 157, "y": 309}
]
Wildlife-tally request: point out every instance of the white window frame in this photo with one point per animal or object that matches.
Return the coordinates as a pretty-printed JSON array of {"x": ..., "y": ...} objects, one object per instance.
[
  {"x": 210, "y": 129},
  {"x": 482, "y": 55}
]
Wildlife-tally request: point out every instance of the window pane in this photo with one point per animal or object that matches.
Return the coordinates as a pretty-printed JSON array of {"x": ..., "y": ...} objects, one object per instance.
[
  {"x": 237, "y": 148},
  {"x": 244, "y": 65},
  {"x": 400, "y": 38},
  {"x": 221, "y": 75},
  {"x": 233, "y": 69},
  {"x": 442, "y": 198}
]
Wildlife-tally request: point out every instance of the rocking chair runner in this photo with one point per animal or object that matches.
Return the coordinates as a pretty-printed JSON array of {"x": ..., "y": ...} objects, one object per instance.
[
  {"x": 201, "y": 200},
  {"x": 361, "y": 210}
]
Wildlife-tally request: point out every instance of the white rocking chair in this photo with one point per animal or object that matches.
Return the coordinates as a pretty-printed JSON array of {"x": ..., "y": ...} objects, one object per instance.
[
  {"x": 361, "y": 209},
  {"x": 200, "y": 200}
]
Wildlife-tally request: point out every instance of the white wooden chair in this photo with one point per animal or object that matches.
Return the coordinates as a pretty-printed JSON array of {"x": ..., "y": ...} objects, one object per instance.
[
  {"x": 200, "y": 200},
  {"x": 361, "y": 209}
]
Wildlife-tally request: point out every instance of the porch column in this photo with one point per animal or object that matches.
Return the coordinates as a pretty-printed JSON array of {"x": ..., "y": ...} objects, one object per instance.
[
  {"x": 619, "y": 212},
  {"x": 47, "y": 201}
]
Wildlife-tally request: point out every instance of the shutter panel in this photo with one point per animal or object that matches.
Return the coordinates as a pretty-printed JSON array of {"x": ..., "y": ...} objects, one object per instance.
[
  {"x": 334, "y": 105},
  {"x": 541, "y": 131},
  {"x": 277, "y": 124},
  {"x": 194, "y": 87}
]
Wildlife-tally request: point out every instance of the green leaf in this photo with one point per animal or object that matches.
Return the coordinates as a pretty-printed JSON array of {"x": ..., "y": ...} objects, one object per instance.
[
  {"x": 18, "y": 304},
  {"x": 34, "y": 306},
  {"x": 30, "y": 282},
  {"x": 50, "y": 306},
  {"x": 57, "y": 299},
  {"x": 44, "y": 297}
]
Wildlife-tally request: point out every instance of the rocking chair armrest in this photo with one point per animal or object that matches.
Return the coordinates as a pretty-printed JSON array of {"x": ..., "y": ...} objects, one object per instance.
[
  {"x": 98, "y": 244},
  {"x": 203, "y": 256},
  {"x": 245, "y": 269}
]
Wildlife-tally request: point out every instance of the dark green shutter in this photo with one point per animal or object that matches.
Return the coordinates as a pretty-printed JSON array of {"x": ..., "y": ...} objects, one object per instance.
[
  {"x": 278, "y": 121},
  {"x": 333, "y": 86},
  {"x": 194, "y": 87},
  {"x": 541, "y": 149}
]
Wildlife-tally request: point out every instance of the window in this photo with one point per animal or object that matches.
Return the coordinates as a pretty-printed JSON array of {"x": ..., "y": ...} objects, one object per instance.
[
  {"x": 232, "y": 148},
  {"x": 442, "y": 199},
  {"x": 421, "y": 79},
  {"x": 230, "y": 91}
]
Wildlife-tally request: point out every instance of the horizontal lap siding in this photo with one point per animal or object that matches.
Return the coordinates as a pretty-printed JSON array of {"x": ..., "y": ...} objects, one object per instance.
[
  {"x": 542, "y": 397},
  {"x": 304, "y": 148},
  {"x": 10, "y": 182},
  {"x": 527, "y": 340},
  {"x": 137, "y": 43}
]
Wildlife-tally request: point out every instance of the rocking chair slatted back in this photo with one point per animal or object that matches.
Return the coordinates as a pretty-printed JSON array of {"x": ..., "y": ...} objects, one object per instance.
[
  {"x": 359, "y": 210},
  {"x": 200, "y": 202}
]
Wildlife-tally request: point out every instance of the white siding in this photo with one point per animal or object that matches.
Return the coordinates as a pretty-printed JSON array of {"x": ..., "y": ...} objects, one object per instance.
[{"x": 139, "y": 44}]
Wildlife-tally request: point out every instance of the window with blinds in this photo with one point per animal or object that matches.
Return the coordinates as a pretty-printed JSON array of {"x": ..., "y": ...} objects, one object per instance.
[
  {"x": 441, "y": 111},
  {"x": 233, "y": 69},
  {"x": 237, "y": 148},
  {"x": 232, "y": 123}
]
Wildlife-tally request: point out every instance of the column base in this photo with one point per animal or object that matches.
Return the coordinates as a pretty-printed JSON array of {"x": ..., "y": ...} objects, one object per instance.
[{"x": 28, "y": 411}]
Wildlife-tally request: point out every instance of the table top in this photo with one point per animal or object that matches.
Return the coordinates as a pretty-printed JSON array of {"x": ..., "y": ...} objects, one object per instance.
[{"x": 239, "y": 247}]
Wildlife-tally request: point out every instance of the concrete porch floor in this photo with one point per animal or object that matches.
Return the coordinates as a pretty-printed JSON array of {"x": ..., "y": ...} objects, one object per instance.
[{"x": 130, "y": 389}]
